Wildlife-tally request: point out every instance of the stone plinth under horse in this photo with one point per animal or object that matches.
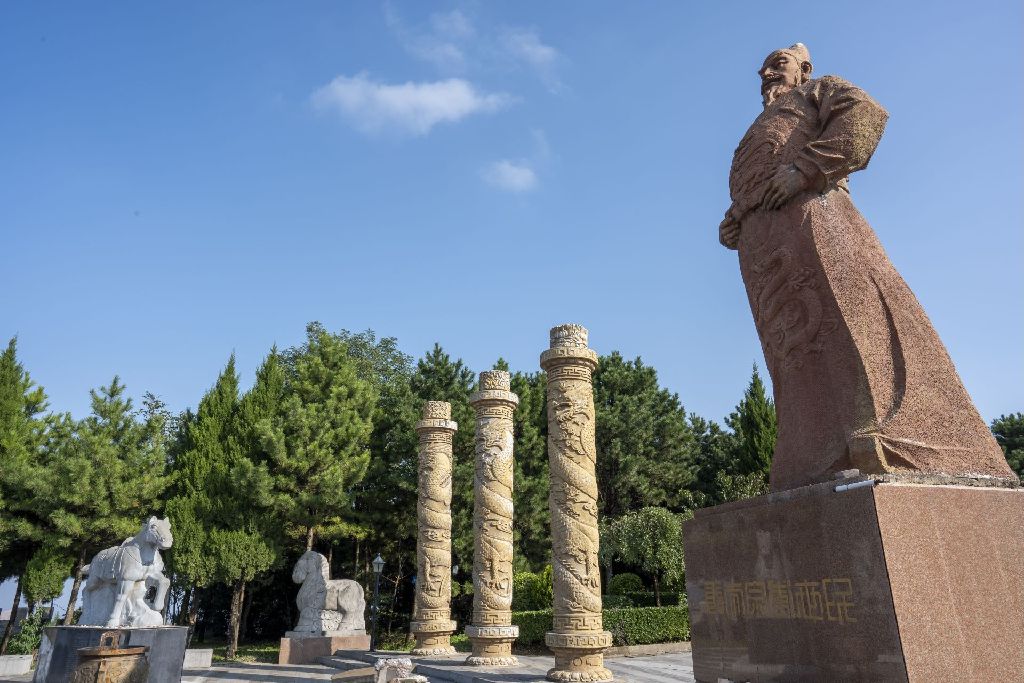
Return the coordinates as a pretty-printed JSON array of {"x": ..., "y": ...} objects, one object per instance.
[{"x": 120, "y": 578}]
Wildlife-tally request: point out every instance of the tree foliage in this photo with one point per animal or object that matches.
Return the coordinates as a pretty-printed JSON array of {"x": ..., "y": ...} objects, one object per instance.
[{"x": 1009, "y": 432}]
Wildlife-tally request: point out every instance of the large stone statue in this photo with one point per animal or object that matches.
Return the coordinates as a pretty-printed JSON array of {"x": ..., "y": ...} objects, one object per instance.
[
  {"x": 861, "y": 379},
  {"x": 120, "y": 579},
  {"x": 326, "y": 607}
]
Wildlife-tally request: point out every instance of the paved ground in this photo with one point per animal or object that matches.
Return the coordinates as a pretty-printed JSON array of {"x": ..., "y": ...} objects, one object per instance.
[{"x": 671, "y": 668}]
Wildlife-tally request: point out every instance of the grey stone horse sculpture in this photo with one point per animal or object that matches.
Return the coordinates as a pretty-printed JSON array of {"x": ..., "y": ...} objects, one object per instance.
[
  {"x": 326, "y": 607},
  {"x": 120, "y": 579}
]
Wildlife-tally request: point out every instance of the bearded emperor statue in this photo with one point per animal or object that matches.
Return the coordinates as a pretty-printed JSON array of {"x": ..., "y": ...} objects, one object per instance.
[{"x": 861, "y": 379}]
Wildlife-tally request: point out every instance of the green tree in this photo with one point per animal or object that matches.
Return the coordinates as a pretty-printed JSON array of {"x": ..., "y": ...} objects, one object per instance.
[
  {"x": 323, "y": 451},
  {"x": 438, "y": 378},
  {"x": 645, "y": 450},
  {"x": 23, "y": 476},
  {"x": 117, "y": 462},
  {"x": 532, "y": 520},
  {"x": 1009, "y": 432},
  {"x": 45, "y": 574},
  {"x": 651, "y": 540},
  {"x": 756, "y": 427},
  {"x": 201, "y": 450}
]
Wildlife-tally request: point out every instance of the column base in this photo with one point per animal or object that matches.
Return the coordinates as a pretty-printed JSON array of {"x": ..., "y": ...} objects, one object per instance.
[
  {"x": 433, "y": 638},
  {"x": 492, "y": 645},
  {"x": 579, "y": 657}
]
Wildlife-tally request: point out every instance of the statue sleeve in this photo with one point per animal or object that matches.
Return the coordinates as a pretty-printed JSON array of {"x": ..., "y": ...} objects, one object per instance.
[{"x": 851, "y": 125}]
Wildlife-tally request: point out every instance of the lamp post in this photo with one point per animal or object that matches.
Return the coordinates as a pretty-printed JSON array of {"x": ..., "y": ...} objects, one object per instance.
[{"x": 378, "y": 567}]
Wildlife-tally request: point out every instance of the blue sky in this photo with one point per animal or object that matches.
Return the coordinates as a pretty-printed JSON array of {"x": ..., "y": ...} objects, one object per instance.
[{"x": 183, "y": 180}]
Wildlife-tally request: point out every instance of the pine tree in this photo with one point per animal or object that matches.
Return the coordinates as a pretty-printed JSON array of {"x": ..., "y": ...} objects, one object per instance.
[
  {"x": 117, "y": 462},
  {"x": 23, "y": 476},
  {"x": 439, "y": 378},
  {"x": 323, "y": 452},
  {"x": 1009, "y": 432},
  {"x": 532, "y": 519},
  {"x": 202, "y": 452},
  {"x": 754, "y": 426},
  {"x": 645, "y": 450}
]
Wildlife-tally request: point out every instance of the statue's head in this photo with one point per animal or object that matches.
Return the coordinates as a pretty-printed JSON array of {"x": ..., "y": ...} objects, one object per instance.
[
  {"x": 159, "y": 532},
  {"x": 784, "y": 70},
  {"x": 311, "y": 562}
]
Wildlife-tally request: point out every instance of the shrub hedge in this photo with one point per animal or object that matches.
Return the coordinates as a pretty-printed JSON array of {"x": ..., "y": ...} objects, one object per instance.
[
  {"x": 624, "y": 583},
  {"x": 628, "y": 626},
  {"x": 531, "y": 591}
]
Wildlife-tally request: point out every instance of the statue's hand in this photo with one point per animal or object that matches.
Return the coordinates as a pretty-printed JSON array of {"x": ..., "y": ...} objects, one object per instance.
[
  {"x": 784, "y": 185},
  {"x": 729, "y": 231}
]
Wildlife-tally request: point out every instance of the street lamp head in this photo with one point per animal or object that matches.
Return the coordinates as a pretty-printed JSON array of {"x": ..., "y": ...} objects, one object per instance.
[
  {"x": 455, "y": 569},
  {"x": 378, "y": 564}
]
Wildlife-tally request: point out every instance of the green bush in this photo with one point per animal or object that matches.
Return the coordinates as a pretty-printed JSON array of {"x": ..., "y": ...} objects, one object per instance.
[
  {"x": 531, "y": 591},
  {"x": 610, "y": 601},
  {"x": 626, "y": 583},
  {"x": 628, "y": 626},
  {"x": 648, "y": 599},
  {"x": 532, "y": 626},
  {"x": 645, "y": 625},
  {"x": 26, "y": 641}
]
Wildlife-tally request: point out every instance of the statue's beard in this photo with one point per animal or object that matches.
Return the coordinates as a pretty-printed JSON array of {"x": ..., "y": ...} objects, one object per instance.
[{"x": 772, "y": 90}]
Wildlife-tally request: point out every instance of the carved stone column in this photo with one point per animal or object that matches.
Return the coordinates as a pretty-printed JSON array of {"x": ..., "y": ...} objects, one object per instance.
[
  {"x": 492, "y": 631},
  {"x": 432, "y": 625},
  {"x": 578, "y": 639}
]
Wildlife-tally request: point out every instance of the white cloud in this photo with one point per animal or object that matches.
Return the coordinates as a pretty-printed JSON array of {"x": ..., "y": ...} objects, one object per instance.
[
  {"x": 454, "y": 24},
  {"x": 527, "y": 46},
  {"x": 406, "y": 107},
  {"x": 442, "y": 45},
  {"x": 510, "y": 176}
]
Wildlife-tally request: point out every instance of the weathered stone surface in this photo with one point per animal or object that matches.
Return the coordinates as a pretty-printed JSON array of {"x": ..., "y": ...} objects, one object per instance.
[
  {"x": 861, "y": 379},
  {"x": 58, "y": 650},
  {"x": 492, "y": 632},
  {"x": 309, "y": 648},
  {"x": 15, "y": 665},
  {"x": 198, "y": 658},
  {"x": 431, "y": 623},
  {"x": 326, "y": 607},
  {"x": 119, "y": 577},
  {"x": 888, "y": 582},
  {"x": 578, "y": 639}
]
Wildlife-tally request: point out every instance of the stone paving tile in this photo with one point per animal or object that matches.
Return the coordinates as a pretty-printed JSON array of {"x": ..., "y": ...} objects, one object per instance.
[{"x": 258, "y": 673}]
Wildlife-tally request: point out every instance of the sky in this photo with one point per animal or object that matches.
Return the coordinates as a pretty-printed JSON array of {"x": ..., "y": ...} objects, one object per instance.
[{"x": 180, "y": 181}]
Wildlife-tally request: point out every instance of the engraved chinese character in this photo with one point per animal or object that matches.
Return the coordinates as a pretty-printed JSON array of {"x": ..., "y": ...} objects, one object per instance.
[
  {"x": 734, "y": 599},
  {"x": 808, "y": 600},
  {"x": 838, "y": 600},
  {"x": 780, "y": 600},
  {"x": 714, "y": 598},
  {"x": 755, "y": 601}
]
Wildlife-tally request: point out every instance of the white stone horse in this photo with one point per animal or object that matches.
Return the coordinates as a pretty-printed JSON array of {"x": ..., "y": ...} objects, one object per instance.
[
  {"x": 120, "y": 577},
  {"x": 324, "y": 605}
]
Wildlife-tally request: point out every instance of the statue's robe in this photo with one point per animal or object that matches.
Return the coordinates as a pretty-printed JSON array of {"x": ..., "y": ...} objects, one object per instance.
[{"x": 861, "y": 379}]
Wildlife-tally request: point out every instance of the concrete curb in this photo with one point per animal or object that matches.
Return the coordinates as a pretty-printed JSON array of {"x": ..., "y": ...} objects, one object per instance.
[{"x": 645, "y": 650}]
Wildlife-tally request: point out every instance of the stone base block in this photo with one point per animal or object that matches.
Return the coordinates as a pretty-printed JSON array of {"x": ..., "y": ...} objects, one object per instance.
[
  {"x": 15, "y": 665},
  {"x": 307, "y": 649},
  {"x": 58, "y": 650},
  {"x": 198, "y": 658},
  {"x": 433, "y": 638},
  {"x": 579, "y": 656},
  {"x": 492, "y": 645},
  {"x": 893, "y": 582}
]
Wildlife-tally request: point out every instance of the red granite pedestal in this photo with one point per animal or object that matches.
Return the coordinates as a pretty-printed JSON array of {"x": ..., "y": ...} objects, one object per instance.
[
  {"x": 884, "y": 581},
  {"x": 307, "y": 649}
]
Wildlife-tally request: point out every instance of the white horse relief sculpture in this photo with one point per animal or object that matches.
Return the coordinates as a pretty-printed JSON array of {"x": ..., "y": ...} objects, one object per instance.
[
  {"x": 326, "y": 607},
  {"x": 120, "y": 577}
]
